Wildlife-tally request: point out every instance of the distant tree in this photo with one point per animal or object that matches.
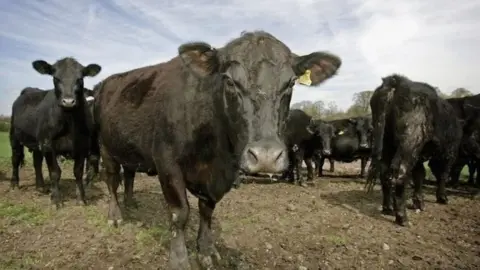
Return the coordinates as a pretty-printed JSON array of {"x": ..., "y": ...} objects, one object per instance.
[
  {"x": 361, "y": 101},
  {"x": 460, "y": 92},
  {"x": 440, "y": 93}
]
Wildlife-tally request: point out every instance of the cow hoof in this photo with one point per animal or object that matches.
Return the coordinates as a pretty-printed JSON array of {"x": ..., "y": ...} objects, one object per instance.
[
  {"x": 131, "y": 204},
  {"x": 442, "y": 200},
  {"x": 402, "y": 221},
  {"x": 81, "y": 202},
  {"x": 41, "y": 189},
  {"x": 179, "y": 263},
  {"x": 14, "y": 186},
  {"x": 387, "y": 211},
  {"x": 114, "y": 223},
  {"x": 206, "y": 261},
  {"x": 303, "y": 184}
]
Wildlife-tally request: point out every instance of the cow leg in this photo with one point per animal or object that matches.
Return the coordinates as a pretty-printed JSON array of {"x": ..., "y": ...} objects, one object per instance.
[
  {"x": 363, "y": 164},
  {"x": 92, "y": 169},
  {"x": 403, "y": 162},
  {"x": 37, "y": 165},
  {"x": 18, "y": 159},
  {"x": 55, "y": 173},
  {"x": 477, "y": 169},
  {"x": 455, "y": 173},
  {"x": 320, "y": 166},
  {"x": 111, "y": 174},
  {"x": 205, "y": 242},
  {"x": 386, "y": 182},
  {"x": 78, "y": 167},
  {"x": 298, "y": 163},
  {"x": 440, "y": 169},
  {"x": 129, "y": 177},
  {"x": 332, "y": 165},
  {"x": 471, "y": 171},
  {"x": 418, "y": 175},
  {"x": 174, "y": 191},
  {"x": 308, "y": 162}
]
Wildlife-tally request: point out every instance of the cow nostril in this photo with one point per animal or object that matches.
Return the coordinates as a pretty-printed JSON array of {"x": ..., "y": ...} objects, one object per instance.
[
  {"x": 280, "y": 154},
  {"x": 251, "y": 155}
]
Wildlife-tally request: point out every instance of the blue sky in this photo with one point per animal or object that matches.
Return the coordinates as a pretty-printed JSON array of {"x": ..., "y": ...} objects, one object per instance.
[{"x": 435, "y": 41}]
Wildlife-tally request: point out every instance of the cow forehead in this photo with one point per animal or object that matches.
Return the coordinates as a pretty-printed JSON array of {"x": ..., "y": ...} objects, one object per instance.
[
  {"x": 253, "y": 48},
  {"x": 68, "y": 67}
]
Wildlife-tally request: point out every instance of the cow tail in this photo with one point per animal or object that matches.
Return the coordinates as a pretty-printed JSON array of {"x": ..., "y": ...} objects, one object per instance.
[{"x": 379, "y": 108}]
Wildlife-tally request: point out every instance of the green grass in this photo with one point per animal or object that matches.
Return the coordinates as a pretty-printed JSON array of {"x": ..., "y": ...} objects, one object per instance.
[
  {"x": 17, "y": 213},
  {"x": 5, "y": 151}
]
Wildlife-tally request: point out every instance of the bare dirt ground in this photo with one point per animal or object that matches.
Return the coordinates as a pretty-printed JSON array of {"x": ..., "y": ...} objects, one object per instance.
[{"x": 332, "y": 225}]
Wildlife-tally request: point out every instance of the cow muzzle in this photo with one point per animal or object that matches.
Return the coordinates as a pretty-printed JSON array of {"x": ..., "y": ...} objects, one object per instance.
[{"x": 264, "y": 157}]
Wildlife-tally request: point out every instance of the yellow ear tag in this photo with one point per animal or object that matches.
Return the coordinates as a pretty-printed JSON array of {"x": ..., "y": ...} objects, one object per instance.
[
  {"x": 341, "y": 132},
  {"x": 305, "y": 78}
]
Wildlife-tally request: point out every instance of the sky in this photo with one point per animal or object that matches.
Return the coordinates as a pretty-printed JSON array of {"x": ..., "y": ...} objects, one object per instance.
[{"x": 434, "y": 41}]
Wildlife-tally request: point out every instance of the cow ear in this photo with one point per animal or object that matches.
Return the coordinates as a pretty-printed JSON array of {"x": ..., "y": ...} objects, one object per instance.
[
  {"x": 200, "y": 58},
  {"x": 91, "y": 70},
  {"x": 316, "y": 67},
  {"x": 42, "y": 67}
]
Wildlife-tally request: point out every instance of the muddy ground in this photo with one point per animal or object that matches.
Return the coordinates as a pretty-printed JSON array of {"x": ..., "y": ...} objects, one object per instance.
[{"x": 332, "y": 225}]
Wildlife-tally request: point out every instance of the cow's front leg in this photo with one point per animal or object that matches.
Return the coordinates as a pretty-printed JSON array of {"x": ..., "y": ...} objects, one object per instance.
[{"x": 205, "y": 242}]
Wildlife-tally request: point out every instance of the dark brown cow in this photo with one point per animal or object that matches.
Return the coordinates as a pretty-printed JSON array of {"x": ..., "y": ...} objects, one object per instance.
[
  {"x": 412, "y": 124},
  {"x": 199, "y": 119}
]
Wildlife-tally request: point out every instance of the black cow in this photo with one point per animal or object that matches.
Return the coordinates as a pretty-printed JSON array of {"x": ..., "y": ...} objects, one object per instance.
[
  {"x": 352, "y": 141},
  {"x": 412, "y": 124},
  {"x": 466, "y": 108},
  {"x": 304, "y": 137},
  {"x": 199, "y": 119},
  {"x": 53, "y": 123},
  {"x": 92, "y": 161}
]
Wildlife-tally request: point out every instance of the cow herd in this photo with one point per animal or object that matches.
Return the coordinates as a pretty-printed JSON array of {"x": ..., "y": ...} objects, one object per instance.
[{"x": 208, "y": 115}]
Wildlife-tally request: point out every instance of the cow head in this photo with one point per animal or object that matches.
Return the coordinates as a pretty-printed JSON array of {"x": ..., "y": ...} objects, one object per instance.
[
  {"x": 324, "y": 132},
  {"x": 253, "y": 78},
  {"x": 68, "y": 77},
  {"x": 363, "y": 129}
]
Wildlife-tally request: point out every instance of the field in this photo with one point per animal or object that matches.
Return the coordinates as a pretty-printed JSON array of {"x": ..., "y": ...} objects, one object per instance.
[{"x": 332, "y": 225}]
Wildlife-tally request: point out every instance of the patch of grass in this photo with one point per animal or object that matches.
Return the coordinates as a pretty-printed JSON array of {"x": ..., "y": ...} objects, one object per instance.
[
  {"x": 26, "y": 262},
  {"x": 4, "y": 145},
  {"x": 17, "y": 213},
  {"x": 152, "y": 235},
  {"x": 335, "y": 239}
]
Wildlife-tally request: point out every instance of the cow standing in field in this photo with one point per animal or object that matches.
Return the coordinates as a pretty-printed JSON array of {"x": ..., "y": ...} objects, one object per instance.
[
  {"x": 53, "y": 123},
  {"x": 412, "y": 124},
  {"x": 352, "y": 141},
  {"x": 467, "y": 108},
  {"x": 199, "y": 119},
  {"x": 304, "y": 137},
  {"x": 92, "y": 165}
]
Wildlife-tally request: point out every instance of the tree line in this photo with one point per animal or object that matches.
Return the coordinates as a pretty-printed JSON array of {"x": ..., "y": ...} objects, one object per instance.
[
  {"x": 318, "y": 109},
  {"x": 360, "y": 106}
]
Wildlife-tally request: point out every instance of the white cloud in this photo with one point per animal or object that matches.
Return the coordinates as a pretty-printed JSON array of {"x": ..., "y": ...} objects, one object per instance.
[{"x": 432, "y": 41}]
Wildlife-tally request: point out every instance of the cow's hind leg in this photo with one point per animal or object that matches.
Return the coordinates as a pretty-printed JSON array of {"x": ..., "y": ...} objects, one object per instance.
[
  {"x": 37, "y": 165},
  {"x": 403, "y": 162},
  {"x": 111, "y": 174},
  {"x": 129, "y": 178},
  {"x": 440, "y": 169},
  {"x": 174, "y": 191},
  {"x": 363, "y": 164},
  {"x": 418, "y": 175},
  {"x": 55, "y": 173},
  {"x": 18, "y": 158},
  {"x": 205, "y": 242}
]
